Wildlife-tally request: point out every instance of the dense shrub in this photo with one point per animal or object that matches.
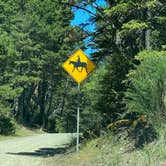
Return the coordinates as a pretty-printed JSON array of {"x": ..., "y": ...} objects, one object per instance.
[
  {"x": 146, "y": 94},
  {"x": 7, "y": 125}
]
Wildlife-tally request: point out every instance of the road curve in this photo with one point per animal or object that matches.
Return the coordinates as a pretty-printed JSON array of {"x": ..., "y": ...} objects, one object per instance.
[{"x": 30, "y": 151}]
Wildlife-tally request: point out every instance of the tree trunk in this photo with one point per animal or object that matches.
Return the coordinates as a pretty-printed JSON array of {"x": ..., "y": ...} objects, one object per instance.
[{"x": 148, "y": 33}]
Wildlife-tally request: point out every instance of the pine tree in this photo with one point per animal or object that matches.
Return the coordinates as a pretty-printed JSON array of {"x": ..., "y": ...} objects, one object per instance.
[
  {"x": 123, "y": 29},
  {"x": 36, "y": 38}
]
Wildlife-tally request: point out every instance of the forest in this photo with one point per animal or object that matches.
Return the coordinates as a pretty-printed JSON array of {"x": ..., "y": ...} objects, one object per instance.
[{"x": 127, "y": 91}]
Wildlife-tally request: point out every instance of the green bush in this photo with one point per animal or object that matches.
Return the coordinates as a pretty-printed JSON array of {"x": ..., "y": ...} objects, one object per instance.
[
  {"x": 7, "y": 125},
  {"x": 146, "y": 93}
]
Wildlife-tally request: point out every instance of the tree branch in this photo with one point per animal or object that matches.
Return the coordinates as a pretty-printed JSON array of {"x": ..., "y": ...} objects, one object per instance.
[{"x": 79, "y": 7}]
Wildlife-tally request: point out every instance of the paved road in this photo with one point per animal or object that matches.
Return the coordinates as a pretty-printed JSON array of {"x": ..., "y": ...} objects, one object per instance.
[{"x": 30, "y": 151}]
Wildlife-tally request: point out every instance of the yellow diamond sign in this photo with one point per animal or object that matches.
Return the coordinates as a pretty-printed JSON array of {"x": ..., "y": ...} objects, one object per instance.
[{"x": 79, "y": 66}]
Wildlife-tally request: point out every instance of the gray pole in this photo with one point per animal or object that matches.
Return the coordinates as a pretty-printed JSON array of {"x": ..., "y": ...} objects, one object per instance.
[{"x": 78, "y": 118}]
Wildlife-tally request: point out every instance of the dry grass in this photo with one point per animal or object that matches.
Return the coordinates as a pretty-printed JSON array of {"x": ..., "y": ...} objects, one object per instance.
[{"x": 110, "y": 151}]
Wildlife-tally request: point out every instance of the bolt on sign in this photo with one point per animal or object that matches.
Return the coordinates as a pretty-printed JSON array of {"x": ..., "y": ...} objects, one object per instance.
[{"x": 79, "y": 66}]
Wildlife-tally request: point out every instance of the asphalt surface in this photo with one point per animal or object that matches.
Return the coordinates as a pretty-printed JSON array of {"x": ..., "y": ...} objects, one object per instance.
[{"x": 31, "y": 150}]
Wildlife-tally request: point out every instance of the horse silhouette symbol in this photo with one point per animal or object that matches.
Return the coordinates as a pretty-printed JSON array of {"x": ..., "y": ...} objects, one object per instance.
[{"x": 78, "y": 64}]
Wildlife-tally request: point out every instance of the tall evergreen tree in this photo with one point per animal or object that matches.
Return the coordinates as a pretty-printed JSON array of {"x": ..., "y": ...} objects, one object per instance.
[
  {"x": 124, "y": 28},
  {"x": 36, "y": 37}
]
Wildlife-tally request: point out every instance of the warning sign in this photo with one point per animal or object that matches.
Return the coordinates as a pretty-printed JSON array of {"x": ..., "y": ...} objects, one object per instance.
[{"x": 79, "y": 66}]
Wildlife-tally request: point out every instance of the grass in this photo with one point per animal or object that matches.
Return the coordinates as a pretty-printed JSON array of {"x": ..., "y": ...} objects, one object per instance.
[
  {"x": 22, "y": 131},
  {"x": 112, "y": 151}
]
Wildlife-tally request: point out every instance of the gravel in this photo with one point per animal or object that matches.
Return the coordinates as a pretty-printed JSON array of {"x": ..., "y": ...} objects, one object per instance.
[{"x": 31, "y": 150}]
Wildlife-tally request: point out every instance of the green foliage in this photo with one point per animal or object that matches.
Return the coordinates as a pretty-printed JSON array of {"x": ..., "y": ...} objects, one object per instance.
[
  {"x": 123, "y": 29},
  {"x": 146, "y": 92},
  {"x": 91, "y": 117},
  {"x": 110, "y": 97},
  {"x": 132, "y": 28},
  {"x": 36, "y": 37},
  {"x": 7, "y": 125}
]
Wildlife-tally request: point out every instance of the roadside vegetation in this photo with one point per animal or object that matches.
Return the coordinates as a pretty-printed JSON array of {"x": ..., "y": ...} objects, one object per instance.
[
  {"x": 111, "y": 150},
  {"x": 124, "y": 99}
]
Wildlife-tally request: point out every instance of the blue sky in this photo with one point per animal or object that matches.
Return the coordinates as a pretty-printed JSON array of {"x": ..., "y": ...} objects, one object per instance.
[{"x": 82, "y": 16}]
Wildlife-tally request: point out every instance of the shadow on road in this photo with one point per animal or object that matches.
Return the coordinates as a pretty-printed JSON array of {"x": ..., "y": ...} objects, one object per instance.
[{"x": 43, "y": 152}]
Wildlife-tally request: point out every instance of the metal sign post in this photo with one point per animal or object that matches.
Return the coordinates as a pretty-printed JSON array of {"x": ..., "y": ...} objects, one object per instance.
[
  {"x": 78, "y": 119},
  {"x": 79, "y": 66}
]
